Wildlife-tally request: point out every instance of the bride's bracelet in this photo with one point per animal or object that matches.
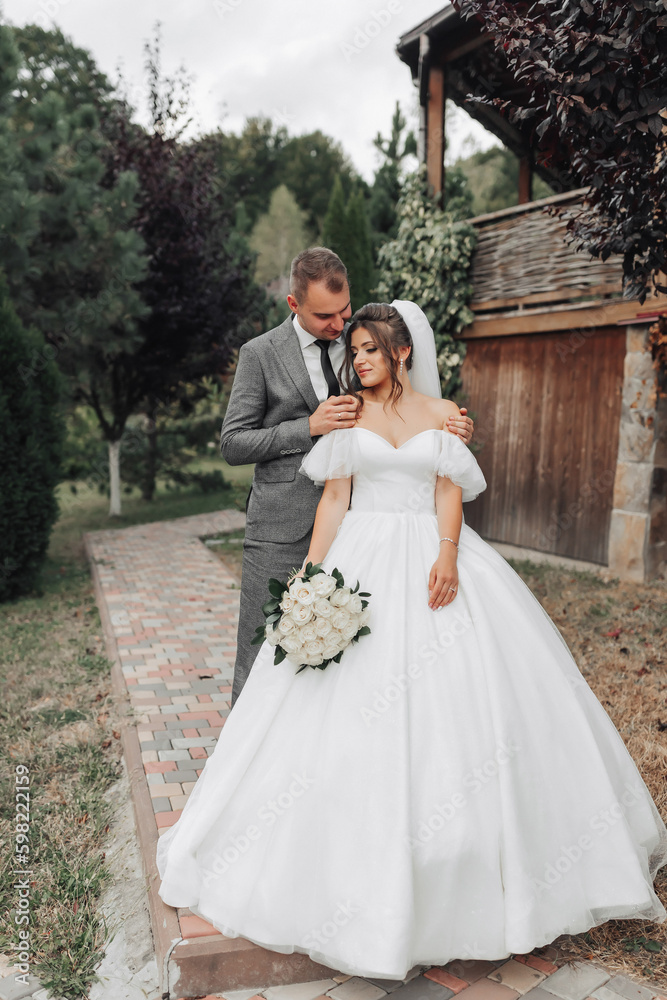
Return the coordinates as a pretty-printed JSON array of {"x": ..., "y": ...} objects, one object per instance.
[{"x": 450, "y": 540}]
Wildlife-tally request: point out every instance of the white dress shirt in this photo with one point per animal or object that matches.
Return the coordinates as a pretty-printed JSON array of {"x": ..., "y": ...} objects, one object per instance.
[{"x": 312, "y": 355}]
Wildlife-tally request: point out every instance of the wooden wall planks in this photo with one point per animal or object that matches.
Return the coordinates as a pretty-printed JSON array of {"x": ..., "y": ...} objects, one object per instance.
[{"x": 547, "y": 410}]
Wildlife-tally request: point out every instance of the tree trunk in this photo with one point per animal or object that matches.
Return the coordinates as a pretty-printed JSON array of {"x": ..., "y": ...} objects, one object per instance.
[{"x": 114, "y": 478}]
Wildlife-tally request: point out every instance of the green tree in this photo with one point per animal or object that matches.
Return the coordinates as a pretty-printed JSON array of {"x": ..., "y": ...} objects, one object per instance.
[
  {"x": 346, "y": 231},
  {"x": 387, "y": 184},
  {"x": 493, "y": 177},
  {"x": 309, "y": 165},
  {"x": 68, "y": 250},
  {"x": 30, "y": 452},
  {"x": 359, "y": 253},
  {"x": 429, "y": 263},
  {"x": 334, "y": 228},
  {"x": 278, "y": 236}
]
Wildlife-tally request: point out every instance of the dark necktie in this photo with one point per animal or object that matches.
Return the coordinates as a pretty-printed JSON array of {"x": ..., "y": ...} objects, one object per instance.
[{"x": 332, "y": 381}]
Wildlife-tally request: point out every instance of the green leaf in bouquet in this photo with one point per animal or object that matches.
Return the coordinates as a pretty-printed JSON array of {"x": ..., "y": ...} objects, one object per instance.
[
  {"x": 302, "y": 668},
  {"x": 362, "y": 593},
  {"x": 275, "y": 617},
  {"x": 280, "y": 655},
  {"x": 355, "y": 589},
  {"x": 336, "y": 658},
  {"x": 276, "y": 588},
  {"x": 338, "y": 577},
  {"x": 259, "y": 637},
  {"x": 364, "y": 630},
  {"x": 270, "y": 606}
]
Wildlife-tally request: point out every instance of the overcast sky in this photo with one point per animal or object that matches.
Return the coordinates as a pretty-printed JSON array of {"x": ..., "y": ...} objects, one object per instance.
[{"x": 308, "y": 64}]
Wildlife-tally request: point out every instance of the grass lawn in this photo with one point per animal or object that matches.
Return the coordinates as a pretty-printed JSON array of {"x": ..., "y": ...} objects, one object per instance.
[{"x": 60, "y": 719}]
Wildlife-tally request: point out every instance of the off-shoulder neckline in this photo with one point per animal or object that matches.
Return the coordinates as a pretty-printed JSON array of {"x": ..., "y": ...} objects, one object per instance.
[{"x": 428, "y": 430}]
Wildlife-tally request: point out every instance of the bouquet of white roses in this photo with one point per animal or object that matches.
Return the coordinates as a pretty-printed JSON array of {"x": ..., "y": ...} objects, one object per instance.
[{"x": 312, "y": 620}]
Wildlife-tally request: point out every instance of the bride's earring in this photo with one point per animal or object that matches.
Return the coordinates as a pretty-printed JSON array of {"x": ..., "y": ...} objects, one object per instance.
[{"x": 400, "y": 367}]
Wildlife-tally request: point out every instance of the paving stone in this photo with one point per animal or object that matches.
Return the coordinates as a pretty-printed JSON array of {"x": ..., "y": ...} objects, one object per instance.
[
  {"x": 420, "y": 988},
  {"x": 239, "y": 994},
  {"x": 177, "y": 755},
  {"x": 299, "y": 991},
  {"x": 13, "y": 989},
  {"x": 445, "y": 978},
  {"x": 199, "y": 741},
  {"x": 517, "y": 976},
  {"x": 161, "y": 805},
  {"x": 471, "y": 969},
  {"x": 388, "y": 985},
  {"x": 486, "y": 989},
  {"x": 537, "y": 993},
  {"x": 625, "y": 987},
  {"x": 576, "y": 980}
]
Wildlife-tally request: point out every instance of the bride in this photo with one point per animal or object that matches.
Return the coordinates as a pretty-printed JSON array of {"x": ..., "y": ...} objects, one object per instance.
[{"x": 452, "y": 788}]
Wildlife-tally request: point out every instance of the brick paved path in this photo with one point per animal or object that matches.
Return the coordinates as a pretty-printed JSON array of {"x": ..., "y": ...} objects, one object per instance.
[{"x": 172, "y": 607}]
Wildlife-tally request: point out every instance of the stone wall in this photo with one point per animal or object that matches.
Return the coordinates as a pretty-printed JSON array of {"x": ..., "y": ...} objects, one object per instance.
[{"x": 637, "y": 536}]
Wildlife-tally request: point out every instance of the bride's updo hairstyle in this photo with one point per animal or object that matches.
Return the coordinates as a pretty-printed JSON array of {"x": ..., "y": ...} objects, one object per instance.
[{"x": 389, "y": 332}]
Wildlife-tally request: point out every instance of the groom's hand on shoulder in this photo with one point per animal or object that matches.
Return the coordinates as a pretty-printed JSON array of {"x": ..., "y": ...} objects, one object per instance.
[
  {"x": 461, "y": 425},
  {"x": 334, "y": 413}
]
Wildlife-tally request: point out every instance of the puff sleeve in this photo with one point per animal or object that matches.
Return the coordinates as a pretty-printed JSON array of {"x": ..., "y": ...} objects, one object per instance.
[
  {"x": 458, "y": 464},
  {"x": 334, "y": 456}
]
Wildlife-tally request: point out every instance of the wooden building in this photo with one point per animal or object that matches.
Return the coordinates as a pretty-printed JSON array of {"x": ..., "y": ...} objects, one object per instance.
[{"x": 557, "y": 373}]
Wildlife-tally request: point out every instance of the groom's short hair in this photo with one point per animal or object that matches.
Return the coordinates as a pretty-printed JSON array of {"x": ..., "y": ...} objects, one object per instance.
[{"x": 316, "y": 264}]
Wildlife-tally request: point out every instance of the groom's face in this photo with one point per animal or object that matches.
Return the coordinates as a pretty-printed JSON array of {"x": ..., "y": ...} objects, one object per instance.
[{"x": 323, "y": 313}]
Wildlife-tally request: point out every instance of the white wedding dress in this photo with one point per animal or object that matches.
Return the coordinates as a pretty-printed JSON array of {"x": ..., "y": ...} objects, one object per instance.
[{"x": 451, "y": 789}]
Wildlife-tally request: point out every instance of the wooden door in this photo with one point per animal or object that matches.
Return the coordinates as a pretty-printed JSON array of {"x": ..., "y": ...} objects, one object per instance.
[{"x": 546, "y": 409}]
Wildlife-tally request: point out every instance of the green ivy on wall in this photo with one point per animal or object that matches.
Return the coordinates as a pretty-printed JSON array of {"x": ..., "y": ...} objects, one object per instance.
[{"x": 429, "y": 263}]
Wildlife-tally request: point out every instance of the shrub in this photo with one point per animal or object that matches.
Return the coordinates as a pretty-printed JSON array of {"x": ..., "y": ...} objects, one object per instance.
[{"x": 30, "y": 450}]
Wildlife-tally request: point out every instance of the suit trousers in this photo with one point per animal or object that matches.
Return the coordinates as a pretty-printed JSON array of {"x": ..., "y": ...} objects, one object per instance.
[{"x": 261, "y": 560}]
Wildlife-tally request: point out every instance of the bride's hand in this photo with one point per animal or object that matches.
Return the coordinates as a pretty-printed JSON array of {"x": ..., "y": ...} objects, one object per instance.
[{"x": 443, "y": 581}]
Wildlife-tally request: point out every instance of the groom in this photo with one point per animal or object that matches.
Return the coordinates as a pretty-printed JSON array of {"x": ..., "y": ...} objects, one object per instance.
[{"x": 284, "y": 397}]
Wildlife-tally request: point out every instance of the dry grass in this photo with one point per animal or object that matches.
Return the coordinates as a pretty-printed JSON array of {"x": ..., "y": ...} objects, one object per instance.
[{"x": 618, "y": 635}]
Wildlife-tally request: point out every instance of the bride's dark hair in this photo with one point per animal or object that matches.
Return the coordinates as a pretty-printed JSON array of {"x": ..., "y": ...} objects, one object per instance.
[{"x": 389, "y": 332}]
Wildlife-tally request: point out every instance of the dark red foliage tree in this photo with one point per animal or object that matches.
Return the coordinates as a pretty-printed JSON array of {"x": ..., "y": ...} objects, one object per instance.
[{"x": 596, "y": 107}]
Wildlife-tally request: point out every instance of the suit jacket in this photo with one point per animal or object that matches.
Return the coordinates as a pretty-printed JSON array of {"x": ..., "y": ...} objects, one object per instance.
[{"x": 267, "y": 423}]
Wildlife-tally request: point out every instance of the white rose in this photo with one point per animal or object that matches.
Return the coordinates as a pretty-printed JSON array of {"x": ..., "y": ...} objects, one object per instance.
[
  {"x": 351, "y": 629},
  {"x": 314, "y": 649},
  {"x": 287, "y": 602},
  {"x": 308, "y": 632},
  {"x": 323, "y": 627},
  {"x": 323, "y": 584},
  {"x": 340, "y": 597},
  {"x": 322, "y": 608},
  {"x": 291, "y": 643},
  {"x": 286, "y": 624},
  {"x": 364, "y": 617},
  {"x": 297, "y": 658},
  {"x": 302, "y": 591},
  {"x": 340, "y": 618},
  {"x": 272, "y": 635},
  {"x": 300, "y": 614},
  {"x": 354, "y": 604},
  {"x": 332, "y": 645}
]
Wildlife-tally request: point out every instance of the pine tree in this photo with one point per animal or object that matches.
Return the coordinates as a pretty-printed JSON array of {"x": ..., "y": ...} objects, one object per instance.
[
  {"x": 359, "y": 254},
  {"x": 70, "y": 256},
  {"x": 334, "y": 229},
  {"x": 30, "y": 451},
  {"x": 278, "y": 236}
]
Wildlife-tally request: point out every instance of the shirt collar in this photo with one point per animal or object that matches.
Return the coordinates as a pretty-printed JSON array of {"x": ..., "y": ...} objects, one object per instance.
[{"x": 306, "y": 339}]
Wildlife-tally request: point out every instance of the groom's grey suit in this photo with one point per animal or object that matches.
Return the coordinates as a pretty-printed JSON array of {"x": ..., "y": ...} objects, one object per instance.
[{"x": 267, "y": 423}]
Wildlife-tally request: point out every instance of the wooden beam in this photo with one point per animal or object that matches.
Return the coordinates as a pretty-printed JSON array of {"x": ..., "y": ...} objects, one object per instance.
[
  {"x": 525, "y": 180},
  {"x": 435, "y": 130},
  {"x": 547, "y": 321}
]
